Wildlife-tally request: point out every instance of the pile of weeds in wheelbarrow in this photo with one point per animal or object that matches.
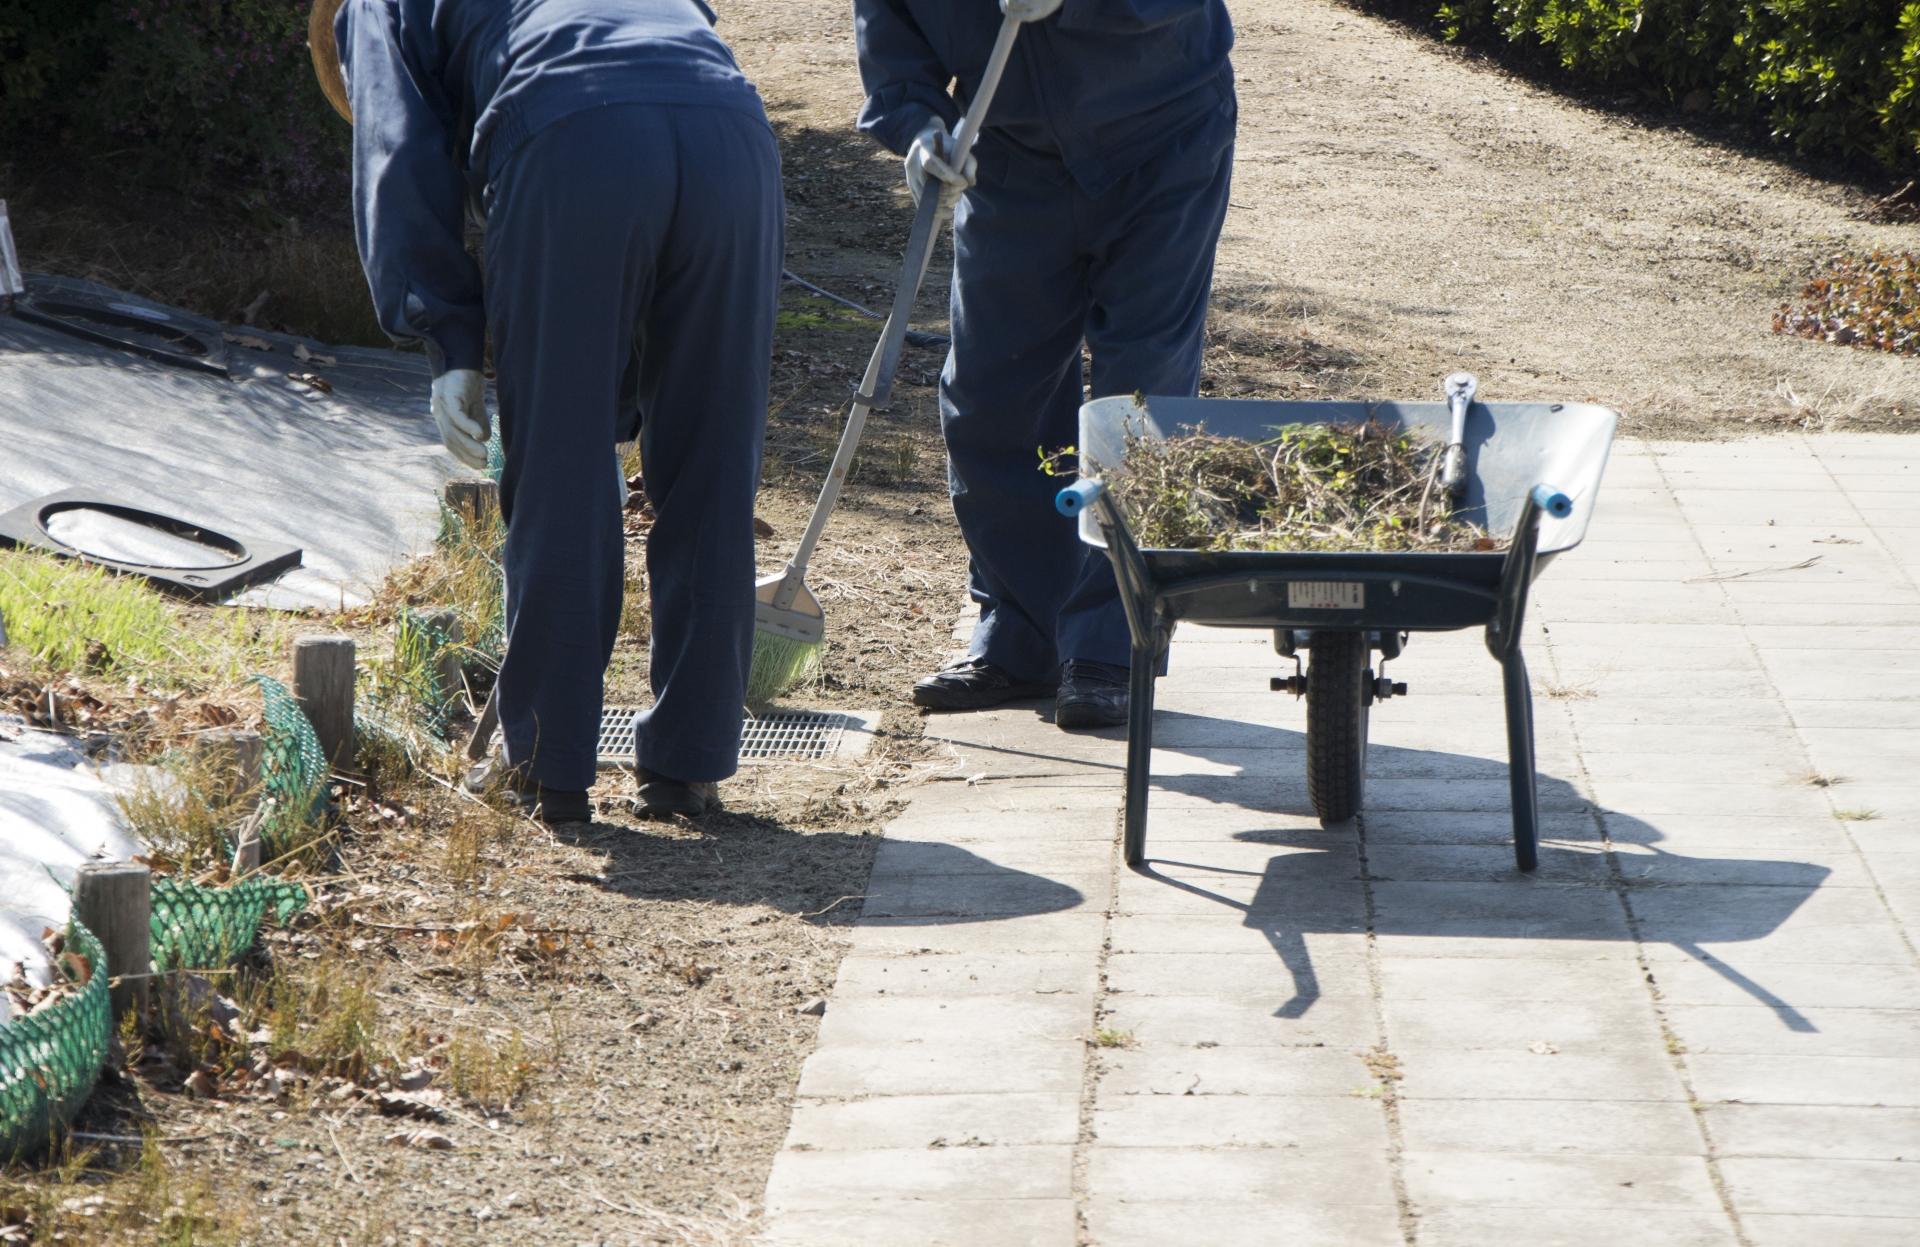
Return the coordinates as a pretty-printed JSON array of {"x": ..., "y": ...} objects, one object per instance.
[{"x": 1309, "y": 487}]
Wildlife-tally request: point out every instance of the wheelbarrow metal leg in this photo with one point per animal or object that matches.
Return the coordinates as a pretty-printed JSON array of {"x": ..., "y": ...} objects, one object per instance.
[
  {"x": 1139, "y": 751},
  {"x": 1520, "y": 767}
]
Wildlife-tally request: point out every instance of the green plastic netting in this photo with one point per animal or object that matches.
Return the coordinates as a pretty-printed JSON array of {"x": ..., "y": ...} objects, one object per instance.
[
  {"x": 294, "y": 772},
  {"x": 196, "y": 927},
  {"x": 49, "y": 1061}
]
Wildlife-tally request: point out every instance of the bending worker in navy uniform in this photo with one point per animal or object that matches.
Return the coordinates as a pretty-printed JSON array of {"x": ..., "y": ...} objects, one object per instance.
[
  {"x": 1102, "y": 179},
  {"x": 630, "y": 186}
]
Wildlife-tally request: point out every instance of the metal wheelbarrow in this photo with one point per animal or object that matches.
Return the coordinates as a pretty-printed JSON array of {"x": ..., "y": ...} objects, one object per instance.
[{"x": 1530, "y": 469}]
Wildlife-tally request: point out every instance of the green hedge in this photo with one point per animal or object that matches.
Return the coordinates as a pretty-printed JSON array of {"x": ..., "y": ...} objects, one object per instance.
[
  {"x": 198, "y": 94},
  {"x": 1835, "y": 78}
]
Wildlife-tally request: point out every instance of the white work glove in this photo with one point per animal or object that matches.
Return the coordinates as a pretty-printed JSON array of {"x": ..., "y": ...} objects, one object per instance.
[
  {"x": 1029, "y": 10},
  {"x": 460, "y": 409},
  {"x": 927, "y": 158}
]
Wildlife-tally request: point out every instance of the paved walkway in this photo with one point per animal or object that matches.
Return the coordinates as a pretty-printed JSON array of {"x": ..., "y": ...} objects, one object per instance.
[{"x": 1698, "y": 1024}]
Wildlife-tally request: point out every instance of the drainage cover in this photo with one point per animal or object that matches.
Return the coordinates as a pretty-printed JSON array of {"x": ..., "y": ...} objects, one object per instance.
[{"x": 783, "y": 736}]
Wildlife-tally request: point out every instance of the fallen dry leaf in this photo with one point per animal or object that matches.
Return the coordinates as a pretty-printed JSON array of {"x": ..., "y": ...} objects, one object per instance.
[
  {"x": 313, "y": 379},
  {"x": 250, "y": 341},
  {"x": 301, "y": 353}
]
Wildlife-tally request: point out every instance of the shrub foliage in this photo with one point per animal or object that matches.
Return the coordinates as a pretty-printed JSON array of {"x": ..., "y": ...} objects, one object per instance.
[
  {"x": 194, "y": 94},
  {"x": 1836, "y": 78}
]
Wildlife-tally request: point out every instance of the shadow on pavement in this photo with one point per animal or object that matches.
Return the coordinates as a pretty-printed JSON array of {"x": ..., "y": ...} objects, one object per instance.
[{"x": 1645, "y": 900}]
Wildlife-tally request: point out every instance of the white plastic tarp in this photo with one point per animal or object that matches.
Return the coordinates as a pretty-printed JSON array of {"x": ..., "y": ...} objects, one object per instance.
[{"x": 56, "y": 813}]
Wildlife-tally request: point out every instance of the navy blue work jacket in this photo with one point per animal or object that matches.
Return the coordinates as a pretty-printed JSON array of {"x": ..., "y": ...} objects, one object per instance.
[
  {"x": 1102, "y": 84},
  {"x": 444, "y": 91}
]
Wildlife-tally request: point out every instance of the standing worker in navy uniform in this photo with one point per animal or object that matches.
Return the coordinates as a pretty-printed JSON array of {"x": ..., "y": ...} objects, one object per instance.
[
  {"x": 1090, "y": 217},
  {"x": 631, "y": 188}
]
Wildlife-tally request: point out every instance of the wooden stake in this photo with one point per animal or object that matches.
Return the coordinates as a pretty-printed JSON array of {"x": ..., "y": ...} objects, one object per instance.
[
  {"x": 114, "y": 900},
  {"x": 475, "y": 500},
  {"x": 323, "y": 685},
  {"x": 240, "y": 757},
  {"x": 446, "y": 663}
]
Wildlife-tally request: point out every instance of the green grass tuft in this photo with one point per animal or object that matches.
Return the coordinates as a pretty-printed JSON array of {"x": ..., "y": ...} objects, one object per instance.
[{"x": 71, "y": 616}]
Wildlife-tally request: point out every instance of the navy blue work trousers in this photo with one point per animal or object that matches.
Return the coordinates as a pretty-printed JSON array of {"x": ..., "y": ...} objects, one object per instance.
[
  {"x": 633, "y": 255},
  {"x": 1041, "y": 267}
]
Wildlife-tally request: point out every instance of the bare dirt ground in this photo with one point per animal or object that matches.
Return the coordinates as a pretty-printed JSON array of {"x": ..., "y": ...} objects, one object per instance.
[
  {"x": 1400, "y": 210},
  {"x": 1416, "y": 210}
]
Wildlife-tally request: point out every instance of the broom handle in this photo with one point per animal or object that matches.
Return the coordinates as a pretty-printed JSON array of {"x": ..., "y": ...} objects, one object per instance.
[{"x": 877, "y": 384}]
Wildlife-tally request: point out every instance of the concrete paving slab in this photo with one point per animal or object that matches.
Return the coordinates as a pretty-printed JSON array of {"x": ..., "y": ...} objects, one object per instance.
[
  {"x": 961, "y": 974},
  {"x": 1161, "y": 933},
  {"x": 1225, "y": 1071},
  {"x": 955, "y": 1019},
  {"x": 1548, "y": 1074},
  {"x": 1861, "y": 1188},
  {"x": 830, "y": 1180},
  {"x": 932, "y": 1223},
  {"x": 1256, "y": 975},
  {"x": 1559, "y": 1227},
  {"x": 1642, "y": 1127},
  {"x": 1281, "y": 1179},
  {"x": 1794, "y": 1079},
  {"x": 1722, "y": 1029},
  {"x": 1317, "y": 1123},
  {"x": 1509, "y": 978},
  {"x": 999, "y": 894},
  {"x": 1825, "y": 1131},
  {"x": 1798, "y": 985},
  {"x": 987, "y": 1119},
  {"x": 1593, "y": 1184},
  {"x": 1234, "y": 1021},
  {"x": 956, "y": 1067},
  {"x": 1224, "y": 1223},
  {"x": 1587, "y": 1027},
  {"x": 1776, "y": 1230},
  {"x": 1068, "y": 931}
]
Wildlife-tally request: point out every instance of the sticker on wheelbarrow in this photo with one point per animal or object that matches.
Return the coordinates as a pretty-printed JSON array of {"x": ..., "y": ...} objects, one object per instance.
[{"x": 1326, "y": 595}]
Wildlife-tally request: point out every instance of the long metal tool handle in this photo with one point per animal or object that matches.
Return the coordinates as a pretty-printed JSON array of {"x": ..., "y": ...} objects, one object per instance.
[{"x": 877, "y": 384}]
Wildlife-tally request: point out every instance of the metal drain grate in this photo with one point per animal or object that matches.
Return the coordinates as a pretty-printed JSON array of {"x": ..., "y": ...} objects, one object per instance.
[{"x": 787, "y": 736}]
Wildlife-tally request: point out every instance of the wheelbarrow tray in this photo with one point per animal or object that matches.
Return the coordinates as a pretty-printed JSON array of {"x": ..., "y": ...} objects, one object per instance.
[{"x": 1533, "y": 473}]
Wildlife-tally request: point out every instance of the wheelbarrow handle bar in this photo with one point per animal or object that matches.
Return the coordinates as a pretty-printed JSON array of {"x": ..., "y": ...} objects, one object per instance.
[{"x": 1516, "y": 575}]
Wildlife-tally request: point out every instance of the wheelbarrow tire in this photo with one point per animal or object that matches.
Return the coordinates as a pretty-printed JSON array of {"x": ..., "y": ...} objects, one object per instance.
[{"x": 1338, "y": 687}]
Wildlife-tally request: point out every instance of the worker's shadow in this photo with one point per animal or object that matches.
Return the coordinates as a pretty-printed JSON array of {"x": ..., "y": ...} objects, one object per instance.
[
  {"x": 1434, "y": 873},
  {"x": 824, "y": 877}
]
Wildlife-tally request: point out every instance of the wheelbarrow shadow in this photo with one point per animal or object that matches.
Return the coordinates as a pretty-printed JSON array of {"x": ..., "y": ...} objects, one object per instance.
[{"x": 1577, "y": 894}]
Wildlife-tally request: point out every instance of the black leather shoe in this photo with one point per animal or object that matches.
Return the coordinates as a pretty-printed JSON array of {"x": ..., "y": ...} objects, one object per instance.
[
  {"x": 551, "y": 806},
  {"x": 973, "y": 684},
  {"x": 1092, "y": 694},
  {"x": 661, "y": 795}
]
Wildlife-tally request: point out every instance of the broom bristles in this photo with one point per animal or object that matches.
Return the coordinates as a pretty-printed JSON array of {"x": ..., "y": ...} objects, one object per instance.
[{"x": 779, "y": 665}]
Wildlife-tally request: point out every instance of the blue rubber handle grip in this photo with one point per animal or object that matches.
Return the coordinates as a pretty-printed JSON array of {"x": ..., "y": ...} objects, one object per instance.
[
  {"x": 1072, "y": 500},
  {"x": 1552, "y": 501}
]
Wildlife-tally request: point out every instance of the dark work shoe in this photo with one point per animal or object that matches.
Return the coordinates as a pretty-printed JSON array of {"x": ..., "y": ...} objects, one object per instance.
[
  {"x": 1092, "y": 694},
  {"x": 660, "y": 795},
  {"x": 552, "y": 806},
  {"x": 973, "y": 684}
]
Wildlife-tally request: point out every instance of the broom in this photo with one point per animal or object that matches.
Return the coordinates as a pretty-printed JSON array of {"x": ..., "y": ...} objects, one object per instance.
[{"x": 790, "y": 628}]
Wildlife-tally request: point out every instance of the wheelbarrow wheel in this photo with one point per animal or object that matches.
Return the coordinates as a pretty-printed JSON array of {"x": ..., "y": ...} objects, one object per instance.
[{"x": 1339, "y": 688}]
